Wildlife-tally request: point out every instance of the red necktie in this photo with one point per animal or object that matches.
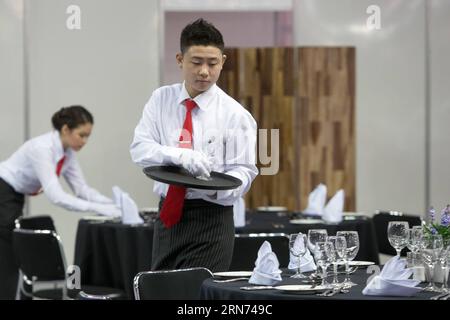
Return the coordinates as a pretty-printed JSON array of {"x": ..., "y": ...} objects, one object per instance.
[
  {"x": 173, "y": 204},
  {"x": 59, "y": 166}
]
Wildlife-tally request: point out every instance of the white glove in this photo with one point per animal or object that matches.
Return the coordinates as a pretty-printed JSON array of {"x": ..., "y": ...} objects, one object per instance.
[
  {"x": 195, "y": 162},
  {"x": 109, "y": 210},
  {"x": 210, "y": 193}
]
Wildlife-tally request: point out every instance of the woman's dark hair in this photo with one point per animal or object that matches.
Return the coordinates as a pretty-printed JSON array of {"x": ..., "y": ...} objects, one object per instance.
[
  {"x": 72, "y": 116},
  {"x": 200, "y": 33}
]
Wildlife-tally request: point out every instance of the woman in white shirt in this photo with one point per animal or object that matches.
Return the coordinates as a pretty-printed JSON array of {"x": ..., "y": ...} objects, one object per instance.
[{"x": 35, "y": 168}]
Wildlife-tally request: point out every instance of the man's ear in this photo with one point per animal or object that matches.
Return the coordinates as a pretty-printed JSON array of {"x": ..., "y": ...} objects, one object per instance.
[
  {"x": 179, "y": 58},
  {"x": 224, "y": 58}
]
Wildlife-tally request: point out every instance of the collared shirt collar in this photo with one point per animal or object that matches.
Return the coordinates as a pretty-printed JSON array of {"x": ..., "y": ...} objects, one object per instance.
[
  {"x": 202, "y": 100},
  {"x": 56, "y": 141}
]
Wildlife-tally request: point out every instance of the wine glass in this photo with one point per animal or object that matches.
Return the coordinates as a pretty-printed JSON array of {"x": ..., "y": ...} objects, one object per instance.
[
  {"x": 324, "y": 256},
  {"x": 314, "y": 236},
  {"x": 340, "y": 246},
  {"x": 398, "y": 235},
  {"x": 352, "y": 240},
  {"x": 430, "y": 249},
  {"x": 297, "y": 247},
  {"x": 444, "y": 258},
  {"x": 415, "y": 236}
]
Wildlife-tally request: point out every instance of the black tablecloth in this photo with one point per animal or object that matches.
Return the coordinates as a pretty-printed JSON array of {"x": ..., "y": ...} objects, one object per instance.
[
  {"x": 230, "y": 291},
  {"x": 111, "y": 254},
  {"x": 257, "y": 222}
]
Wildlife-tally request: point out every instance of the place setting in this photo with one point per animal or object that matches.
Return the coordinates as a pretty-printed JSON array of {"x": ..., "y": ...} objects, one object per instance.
[{"x": 310, "y": 257}]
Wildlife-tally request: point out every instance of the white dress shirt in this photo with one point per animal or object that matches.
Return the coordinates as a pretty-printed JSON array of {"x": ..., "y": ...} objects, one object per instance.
[
  {"x": 222, "y": 129},
  {"x": 33, "y": 167}
]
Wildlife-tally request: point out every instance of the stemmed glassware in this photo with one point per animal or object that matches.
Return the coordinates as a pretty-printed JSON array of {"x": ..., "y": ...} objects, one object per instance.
[
  {"x": 352, "y": 241},
  {"x": 398, "y": 235},
  {"x": 314, "y": 236},
  {"x": 430, "y": 249},
  {"x": 340, "y": 247},
  {"x": 415, "y": 237},
  {"x": 324, "y": 255},
  {"x": 444, "y": 258},
  {"x": 297, "y": 247}
]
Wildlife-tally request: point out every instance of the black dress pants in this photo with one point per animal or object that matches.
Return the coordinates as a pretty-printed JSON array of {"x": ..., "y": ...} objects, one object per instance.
[{"x": 11, "y": 207}]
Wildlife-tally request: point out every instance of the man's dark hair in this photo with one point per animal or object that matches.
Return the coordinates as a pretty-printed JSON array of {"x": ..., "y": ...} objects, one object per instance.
[{"x": 200, "y": 33}]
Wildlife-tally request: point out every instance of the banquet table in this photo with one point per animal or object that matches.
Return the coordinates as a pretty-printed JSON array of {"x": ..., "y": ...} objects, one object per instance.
[
  {"x": 211, "y": 290},
  {"x": 112, "y": 253},
  {"x": 259, "y": 222}
]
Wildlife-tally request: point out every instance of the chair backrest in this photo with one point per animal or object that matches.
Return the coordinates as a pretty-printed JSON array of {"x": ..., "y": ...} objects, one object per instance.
[
  {"x": 39, "y": 254},
  {"x": 246, "y": 248},
  {"x": 182, "y": 284},
  {"x": 43, "y": 222},
  {"x": 381, "y": 220}
]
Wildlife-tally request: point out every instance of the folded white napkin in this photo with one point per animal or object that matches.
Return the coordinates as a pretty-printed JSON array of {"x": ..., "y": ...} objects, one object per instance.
[
  {"x": 130, "y": 211},
  {"x": 267, "y": 268},
  {"x": 306, "y": 261},
  {"x": 393, "y": 280},
  {"x": 117, "y": 194},
  {"x": 316, "y": 200},
  {"x": 334, "y": 208},
  {"x": 239, "y": 212}
]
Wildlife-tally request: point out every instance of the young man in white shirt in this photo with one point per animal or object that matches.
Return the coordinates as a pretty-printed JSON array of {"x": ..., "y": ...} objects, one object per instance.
[
  {"x": 195, "y": 227},
  {"x": 35, "y": 168}
]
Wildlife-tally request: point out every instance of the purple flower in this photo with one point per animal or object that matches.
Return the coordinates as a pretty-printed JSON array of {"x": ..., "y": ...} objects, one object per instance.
[
  {"x": 445, "y": 216},
  {"x": 432, "y": 213},
  {"x": 433, "y": 230},
  {"x": 445, "y": 220}
]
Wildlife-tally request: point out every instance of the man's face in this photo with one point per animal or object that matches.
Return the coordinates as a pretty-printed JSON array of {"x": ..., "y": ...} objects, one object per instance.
[{"x": 201, "y": 67}]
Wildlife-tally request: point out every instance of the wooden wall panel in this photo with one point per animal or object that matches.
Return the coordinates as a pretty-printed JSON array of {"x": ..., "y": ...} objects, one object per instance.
[{"x": 308, "y": 94}]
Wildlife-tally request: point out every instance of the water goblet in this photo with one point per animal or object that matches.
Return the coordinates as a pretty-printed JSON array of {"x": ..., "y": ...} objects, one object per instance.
[
  {"x": 415, "y": 236},
  {"x": 398, "y": 235},
  {"x": 324, "y": 256},
  {"x": 352, "y": 241},
  {"x": 430, "y": 249},
  {"x": 297, "y": 247},
  {"x": 340, "y": 246},
  {"x": 314, "y": 236},
  {"x": 444, "y": 258}
]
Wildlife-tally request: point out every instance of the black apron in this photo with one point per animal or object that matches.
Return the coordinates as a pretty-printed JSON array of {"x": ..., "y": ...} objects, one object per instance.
[{"x": 204, "y": 237}]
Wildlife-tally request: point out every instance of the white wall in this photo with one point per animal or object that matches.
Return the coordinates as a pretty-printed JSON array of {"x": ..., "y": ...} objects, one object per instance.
[
  {"x": 440, "y": 103},
  {"x": 111, "y": 67},
  {"x": 12, "y": 129},
  {"x": 390, "y": 99},
  {"x": 229, "y": 5}
]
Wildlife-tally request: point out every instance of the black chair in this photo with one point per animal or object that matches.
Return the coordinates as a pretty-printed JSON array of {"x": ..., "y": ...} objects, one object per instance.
[
  {"x": 39, "y": 222},
  {"x": 381, "y": 220},
  {"x": 182, "y": 284},
  {"x": 246, "y": 248},
  {"x": 42, "y": 222},
  {"x": 40, "y": 257}
]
